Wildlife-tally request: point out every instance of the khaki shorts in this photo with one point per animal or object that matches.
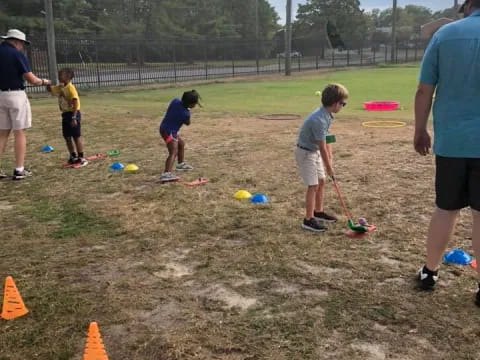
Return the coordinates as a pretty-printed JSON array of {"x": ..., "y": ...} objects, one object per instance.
[
  {"x": 15, "y": 113},
  {"x": 310, "y": 166}
]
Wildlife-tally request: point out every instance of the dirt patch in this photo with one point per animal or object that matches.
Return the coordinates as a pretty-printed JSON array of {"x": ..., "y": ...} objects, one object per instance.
[
  {"x": 5, "y": 206},
  {"x": 370, "y": 351},
  {"x": 228, "y": 297}
]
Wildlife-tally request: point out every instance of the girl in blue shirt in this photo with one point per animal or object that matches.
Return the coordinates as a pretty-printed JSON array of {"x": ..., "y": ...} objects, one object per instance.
[{"x": 178, "y": 114}]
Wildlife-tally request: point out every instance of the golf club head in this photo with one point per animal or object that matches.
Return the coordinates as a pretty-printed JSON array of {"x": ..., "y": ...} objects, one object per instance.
[{"x": 356, "y": 228}]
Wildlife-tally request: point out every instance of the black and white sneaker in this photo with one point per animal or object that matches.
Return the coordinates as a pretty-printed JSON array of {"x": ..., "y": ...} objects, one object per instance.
[
  {"x": 81, "y": 162},
  {"x": 426, "y": 278},
  {"x": 477, "y": 297},
  {"x": 313, "y": 225},
  {"x": 3, "y": 175},
  {"x": 72, "y": 160},
  {"x": 20, "y": 175},
  {"x": 322, "y": 216}
]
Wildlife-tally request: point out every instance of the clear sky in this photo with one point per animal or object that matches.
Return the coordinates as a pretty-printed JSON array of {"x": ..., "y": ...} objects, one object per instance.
[{"x": 280, "y": 5}]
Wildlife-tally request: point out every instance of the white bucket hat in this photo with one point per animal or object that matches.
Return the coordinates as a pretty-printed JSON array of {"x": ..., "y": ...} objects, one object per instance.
[{"x": 16, "y": 34}]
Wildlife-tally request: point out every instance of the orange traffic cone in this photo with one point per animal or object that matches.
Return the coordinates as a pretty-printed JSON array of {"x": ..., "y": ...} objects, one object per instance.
[
  {"x": 473, "y": 264},
  {"x": 94, "y": 349},
  {"x": 13, "y": 305}
]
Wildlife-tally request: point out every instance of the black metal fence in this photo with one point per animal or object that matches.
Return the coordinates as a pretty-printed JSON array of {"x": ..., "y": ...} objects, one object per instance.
[{"x": 108, "y": 62}]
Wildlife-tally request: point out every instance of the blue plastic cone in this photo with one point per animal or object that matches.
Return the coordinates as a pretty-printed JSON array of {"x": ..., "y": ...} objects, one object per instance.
[
  {"x": 258, "y": 198},
  {"x": 116, "y": 166},
  {"x": 47, "y": 148},
  {"x": 457, "y": 256}
]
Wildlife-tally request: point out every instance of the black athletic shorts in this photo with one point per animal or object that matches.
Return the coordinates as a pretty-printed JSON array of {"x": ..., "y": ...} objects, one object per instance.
[
  {"x": 457, "y": 183},
  {"x": 67, "y": 129}
]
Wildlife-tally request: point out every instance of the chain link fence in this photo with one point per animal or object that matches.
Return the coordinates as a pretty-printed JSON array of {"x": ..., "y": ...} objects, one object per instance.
[{"x": 101, "y": 62}]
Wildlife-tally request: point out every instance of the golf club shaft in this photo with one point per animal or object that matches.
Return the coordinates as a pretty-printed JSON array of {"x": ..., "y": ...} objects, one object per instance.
[{"x": 344, "y": 207}]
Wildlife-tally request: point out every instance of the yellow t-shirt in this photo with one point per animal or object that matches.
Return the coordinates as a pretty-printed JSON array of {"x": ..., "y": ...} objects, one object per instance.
[{"x": 66, "y": 93}]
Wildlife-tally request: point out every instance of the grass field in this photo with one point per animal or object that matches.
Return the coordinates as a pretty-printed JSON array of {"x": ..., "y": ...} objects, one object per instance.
[{"x": 174, "y": 272}]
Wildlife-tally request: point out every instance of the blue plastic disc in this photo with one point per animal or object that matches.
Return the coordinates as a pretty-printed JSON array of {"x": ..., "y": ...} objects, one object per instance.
[{"x": 457, "y": 256}]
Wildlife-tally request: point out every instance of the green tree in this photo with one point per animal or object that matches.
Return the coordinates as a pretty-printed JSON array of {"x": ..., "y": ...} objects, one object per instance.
[{"x": 340, "y": 22}]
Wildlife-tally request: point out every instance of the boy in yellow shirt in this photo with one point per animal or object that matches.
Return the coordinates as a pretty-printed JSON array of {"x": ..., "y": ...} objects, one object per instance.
[{"x": 69, "y": 103}]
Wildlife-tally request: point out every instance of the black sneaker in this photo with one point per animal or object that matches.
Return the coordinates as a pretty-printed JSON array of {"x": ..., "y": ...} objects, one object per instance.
[
  {"x": 477, "y": 298},
  {"x": 313, "y": 225},
  {"x": 426, "y": 278},
  {"x": 320, "y": 215},
  {"x": 20, "y": 175},
  {"x": 3, "y": 175},
  {"x": 72, "y": 160}
]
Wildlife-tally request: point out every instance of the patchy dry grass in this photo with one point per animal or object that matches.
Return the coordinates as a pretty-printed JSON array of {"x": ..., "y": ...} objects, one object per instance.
[{"x": 174, "y": 272}]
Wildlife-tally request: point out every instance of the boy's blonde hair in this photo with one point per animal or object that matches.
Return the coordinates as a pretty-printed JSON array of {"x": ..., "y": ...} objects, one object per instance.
[{"x": 334, "y": 93}]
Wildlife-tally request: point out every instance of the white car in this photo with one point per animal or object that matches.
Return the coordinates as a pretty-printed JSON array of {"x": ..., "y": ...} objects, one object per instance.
[{"x": 292, "y": 54}]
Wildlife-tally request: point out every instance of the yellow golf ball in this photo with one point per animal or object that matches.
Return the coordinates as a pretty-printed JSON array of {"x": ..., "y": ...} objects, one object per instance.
[{"x": 318, "y": 93}]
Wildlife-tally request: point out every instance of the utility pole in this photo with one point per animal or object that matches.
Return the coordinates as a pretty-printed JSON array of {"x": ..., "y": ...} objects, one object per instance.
[
  {"x": 394, "y": 31},
  {"x": 288, "y": 40},
  {"x": 455, "y": 4},
  {"x": 52, "y": 55},
  {"x": 256, "y": 19},
  {"x": 256, "y": 37}
]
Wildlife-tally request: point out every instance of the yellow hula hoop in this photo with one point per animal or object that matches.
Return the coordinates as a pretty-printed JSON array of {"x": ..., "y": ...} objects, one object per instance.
[{"x": 384, "y": 124}]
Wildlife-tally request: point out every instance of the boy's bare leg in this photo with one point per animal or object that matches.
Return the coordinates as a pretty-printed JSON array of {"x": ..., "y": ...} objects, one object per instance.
[
  {"x": 172, "y": 147},
  {"x": 3, "y": 142},
  {"x": 310, "y": 200},
  {"x": 476, "y": 236},
  {"x": 181, "y": 150},
  {"x": 69, "y": 142},
  {"x": 20, "y": 145},
  {"x": 4, "y": 134},
  {"x": 78, "y": 144},
  {"x": 440, "y": 231},
  {"x": 319, "y": 195}
]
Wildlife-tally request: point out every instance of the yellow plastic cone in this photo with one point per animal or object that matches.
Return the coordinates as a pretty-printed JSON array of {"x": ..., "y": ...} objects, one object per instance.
[
  {"x": 131, "y": 167},
  {"x": 242, "y": 194}
]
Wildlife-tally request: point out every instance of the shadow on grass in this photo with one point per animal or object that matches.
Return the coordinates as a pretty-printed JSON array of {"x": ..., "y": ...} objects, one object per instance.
[{"x": 69, "y": 219}]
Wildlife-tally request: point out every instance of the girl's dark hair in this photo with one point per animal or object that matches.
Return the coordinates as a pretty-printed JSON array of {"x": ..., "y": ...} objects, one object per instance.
[
  {"x": 190, "y": 97},
  {"x": 67, "y": 71}
]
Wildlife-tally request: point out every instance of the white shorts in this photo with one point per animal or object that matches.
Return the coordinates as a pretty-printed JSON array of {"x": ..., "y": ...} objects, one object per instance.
[
  {"x": 310, "y": 166},
  {"x": 15, "y": 112}
]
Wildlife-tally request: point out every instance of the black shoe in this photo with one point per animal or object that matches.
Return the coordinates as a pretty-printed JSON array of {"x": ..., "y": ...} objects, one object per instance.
[
  {"x": 427, "y": 278},
  {"x": 320, "y": 215},
  {"x": 313, "y": 225},
  {"x": 72, "y": 160},
  {"x": 20, "y": 175},
  {"x": 477, "y": 298}
]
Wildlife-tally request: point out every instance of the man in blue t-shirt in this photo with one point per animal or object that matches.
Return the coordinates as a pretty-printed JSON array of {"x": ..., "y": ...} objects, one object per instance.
[
  {"x": 178, "y": 114},
  {"x": 15, "y": 113},
  {"x": 451, "y": 67}
]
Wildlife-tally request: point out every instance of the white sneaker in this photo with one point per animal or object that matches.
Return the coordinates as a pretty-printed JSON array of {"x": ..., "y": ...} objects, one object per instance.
[
  {"x": 82, "y": 162},
  {"x": 168, "y": 176},
  {"x": 184, "y": 167},
  {"x": 3, "y": 175}
]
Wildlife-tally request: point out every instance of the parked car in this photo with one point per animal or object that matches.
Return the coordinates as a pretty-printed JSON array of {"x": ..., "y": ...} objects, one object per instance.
[{"x": 292, "y": 54}]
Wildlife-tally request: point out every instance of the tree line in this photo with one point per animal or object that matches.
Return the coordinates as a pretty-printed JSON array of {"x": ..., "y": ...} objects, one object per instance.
[{"x": 149, "y": 19}]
